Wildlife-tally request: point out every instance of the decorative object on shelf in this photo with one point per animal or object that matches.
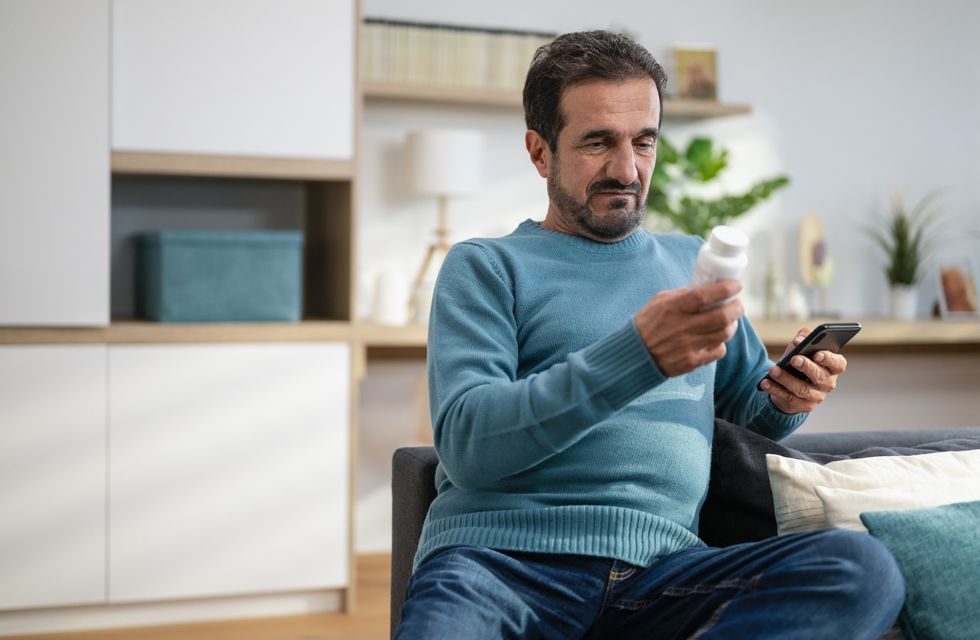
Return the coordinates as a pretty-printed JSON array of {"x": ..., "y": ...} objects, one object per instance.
[
  {"x": 441, "y": 163},
  {"x": 796, "y": 305},
  {"x": 412, "y": 53},
  {"x": 958, "y": 289},
  {"x": 816, "y": 266},
  {"x": 701, "y": 163},
  {"x": 774, "y": 291},
  {"x": 696, "y": 72},
  {"x": 906, "y": 239},
  {"x": 220, "y": 276},
  {"x": 390, "y": 293}
]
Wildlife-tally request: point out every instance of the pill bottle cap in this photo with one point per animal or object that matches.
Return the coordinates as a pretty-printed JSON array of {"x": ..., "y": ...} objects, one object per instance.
[{"x": 727, "y": 241}]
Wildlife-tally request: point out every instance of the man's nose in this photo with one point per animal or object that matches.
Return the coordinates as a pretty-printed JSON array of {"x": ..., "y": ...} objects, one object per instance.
[{"x": 622, "y": 166}]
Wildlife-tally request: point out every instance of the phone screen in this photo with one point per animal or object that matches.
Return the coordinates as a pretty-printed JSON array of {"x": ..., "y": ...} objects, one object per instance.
[{"x": 831, "y": 336}]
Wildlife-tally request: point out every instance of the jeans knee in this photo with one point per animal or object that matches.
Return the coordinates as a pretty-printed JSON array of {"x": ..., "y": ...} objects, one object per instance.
[{"x": 868, "y": 568}]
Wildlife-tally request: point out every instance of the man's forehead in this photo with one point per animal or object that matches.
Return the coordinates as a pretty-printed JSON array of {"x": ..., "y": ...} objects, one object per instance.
[{"x": 621, "y": 105}]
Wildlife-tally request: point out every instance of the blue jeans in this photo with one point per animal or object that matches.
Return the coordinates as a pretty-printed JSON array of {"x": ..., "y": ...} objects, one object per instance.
[{"x": 833, "y": 584}]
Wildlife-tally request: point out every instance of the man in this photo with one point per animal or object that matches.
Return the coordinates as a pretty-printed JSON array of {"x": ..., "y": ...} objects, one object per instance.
[{"x": 574, "y": 383}]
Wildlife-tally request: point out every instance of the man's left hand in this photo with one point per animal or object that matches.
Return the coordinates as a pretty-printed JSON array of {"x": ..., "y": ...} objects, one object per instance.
[{"x": 792, "y": 395}]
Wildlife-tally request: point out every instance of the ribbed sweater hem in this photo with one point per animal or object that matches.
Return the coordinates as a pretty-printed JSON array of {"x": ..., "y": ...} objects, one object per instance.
[{"x": 624, "y": 534}]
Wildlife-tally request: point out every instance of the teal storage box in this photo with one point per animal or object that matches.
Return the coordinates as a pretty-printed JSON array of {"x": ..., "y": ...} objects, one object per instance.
[{"x": 220, "y": 276}]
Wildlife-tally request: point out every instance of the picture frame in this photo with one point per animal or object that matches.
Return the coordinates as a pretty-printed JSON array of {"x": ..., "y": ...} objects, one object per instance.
[
  {"x": 696, "y": 72},
  {"x": 957, "y": 289}
]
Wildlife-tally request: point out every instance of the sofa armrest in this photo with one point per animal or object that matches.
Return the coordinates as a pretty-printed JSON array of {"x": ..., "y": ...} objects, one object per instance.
[{"x": 412, "y": 491}]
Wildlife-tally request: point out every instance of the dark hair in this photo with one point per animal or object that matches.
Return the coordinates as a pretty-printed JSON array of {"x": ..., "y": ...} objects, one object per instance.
[{"x": 574, "y": 58}]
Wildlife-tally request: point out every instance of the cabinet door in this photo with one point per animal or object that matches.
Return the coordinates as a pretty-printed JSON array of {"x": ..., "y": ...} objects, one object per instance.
[
  {"x": 229, "y": 469},
  {"x": 54, "y": 162},
  {"x": 239, "y": 77},
  {"x": 52, "y": 475}
]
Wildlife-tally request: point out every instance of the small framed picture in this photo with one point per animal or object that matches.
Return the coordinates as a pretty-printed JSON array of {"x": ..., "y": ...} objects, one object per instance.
[
  {"x": 696, "y": 72},
  {"x": 958, "y": 289}
]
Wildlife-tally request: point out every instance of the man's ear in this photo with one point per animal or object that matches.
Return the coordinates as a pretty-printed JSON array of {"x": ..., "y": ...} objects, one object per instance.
[{"x": 539, "y": 151}]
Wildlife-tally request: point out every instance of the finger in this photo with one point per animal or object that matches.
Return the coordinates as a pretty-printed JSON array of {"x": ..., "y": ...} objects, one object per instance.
[
  {"x": 802, "y": 333},
  {"x": 708, "y": 294},
  {"x": 818, "y": 375},
  {"x": 780, "y": 394},
  {"x": 835, "y": 363},
  {"x": 719, "y": 336},
  {"x": 799, "y": 388},
  {"x": 717, "y": 319}
]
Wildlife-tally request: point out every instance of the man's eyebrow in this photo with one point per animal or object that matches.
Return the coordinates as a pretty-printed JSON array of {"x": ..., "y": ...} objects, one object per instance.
[
  {"x": 651, "y": 132},
  {"x": 596, "y": 133}
]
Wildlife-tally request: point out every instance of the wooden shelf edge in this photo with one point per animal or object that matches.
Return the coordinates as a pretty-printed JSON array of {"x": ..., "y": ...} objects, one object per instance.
[
  {"x": 877, "y": 335},
  {"x": 182, "y": 164},
  {"x": 141, "y": 332},
  {"x": 673, "y": 108},
  {"x": 441, "y": 94},
  {"x": 376, "y": 335},
  {"x": 880, "y": 334}
]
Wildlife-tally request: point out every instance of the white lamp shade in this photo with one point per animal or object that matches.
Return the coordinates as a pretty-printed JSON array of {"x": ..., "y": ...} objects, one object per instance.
[{"x": 445, "y": 162}]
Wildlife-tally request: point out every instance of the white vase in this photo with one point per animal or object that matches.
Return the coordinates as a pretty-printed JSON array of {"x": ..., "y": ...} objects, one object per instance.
[{"x": 904, "y": 300}]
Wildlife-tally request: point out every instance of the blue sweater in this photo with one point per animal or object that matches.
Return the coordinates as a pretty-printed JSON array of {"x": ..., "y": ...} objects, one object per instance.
[{"x": 555, "y": 430}]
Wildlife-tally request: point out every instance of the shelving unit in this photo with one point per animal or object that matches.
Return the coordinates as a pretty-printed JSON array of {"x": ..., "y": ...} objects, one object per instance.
[
  {"x": 184, "y": 164},
  {"x": 465, "y": 96}
]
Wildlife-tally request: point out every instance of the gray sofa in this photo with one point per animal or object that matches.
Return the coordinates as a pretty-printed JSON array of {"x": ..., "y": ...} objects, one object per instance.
[{"x": 738, "y": 507}]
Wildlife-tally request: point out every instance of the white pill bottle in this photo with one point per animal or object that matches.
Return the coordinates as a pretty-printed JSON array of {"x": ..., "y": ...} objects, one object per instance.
[{"x": 722, "y": 257}]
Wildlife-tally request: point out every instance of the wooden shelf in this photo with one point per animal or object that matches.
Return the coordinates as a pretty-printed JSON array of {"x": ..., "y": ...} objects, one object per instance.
[
  {"x": 143, "y": 332},
  {"x": 179, "y": 164},
  {"x": 881, "y": 334},
  {"x": 376, "y": 335},
  {"x": 877, "y": 335},
  {"x": 434, "y": 94}
]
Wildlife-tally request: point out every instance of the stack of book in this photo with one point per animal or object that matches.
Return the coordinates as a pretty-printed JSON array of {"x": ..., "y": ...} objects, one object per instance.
[{"x": 443, "y": 55}]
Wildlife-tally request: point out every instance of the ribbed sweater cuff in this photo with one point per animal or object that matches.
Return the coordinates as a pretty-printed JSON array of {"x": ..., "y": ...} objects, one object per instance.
[
  {"x": 623, "y": 362},
  {"x": 774, "y": 424}
]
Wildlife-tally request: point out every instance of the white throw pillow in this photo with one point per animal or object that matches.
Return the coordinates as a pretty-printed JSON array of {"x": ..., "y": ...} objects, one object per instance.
[
  {"x": 843, "y": 507},
  {"x": 799, "y": 508}
]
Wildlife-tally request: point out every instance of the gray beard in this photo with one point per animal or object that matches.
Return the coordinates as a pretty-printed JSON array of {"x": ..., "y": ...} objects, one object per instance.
[{"x": 610, "y": 227}]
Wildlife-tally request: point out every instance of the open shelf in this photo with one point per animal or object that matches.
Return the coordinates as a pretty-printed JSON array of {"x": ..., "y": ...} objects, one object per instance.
[
  {"x": 180, "y": 164},
  {"x": 466, "y": 96}
]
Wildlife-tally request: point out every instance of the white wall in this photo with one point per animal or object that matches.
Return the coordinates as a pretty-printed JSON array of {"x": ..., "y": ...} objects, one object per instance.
[{"x": 851, "y": 100}]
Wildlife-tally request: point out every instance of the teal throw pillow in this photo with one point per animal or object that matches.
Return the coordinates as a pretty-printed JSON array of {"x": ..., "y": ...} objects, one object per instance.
[{"x": 938, "y": 552}]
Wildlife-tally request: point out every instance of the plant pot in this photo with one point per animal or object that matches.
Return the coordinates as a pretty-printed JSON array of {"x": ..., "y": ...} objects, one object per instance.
[{"x": 903, "y": 300}]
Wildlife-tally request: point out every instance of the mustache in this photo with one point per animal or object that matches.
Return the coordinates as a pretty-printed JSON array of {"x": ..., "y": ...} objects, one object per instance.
[{"x": 614, "y": 185}]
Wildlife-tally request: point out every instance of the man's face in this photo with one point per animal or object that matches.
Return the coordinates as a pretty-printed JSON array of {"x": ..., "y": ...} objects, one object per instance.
[{"x": 599, "y": 177}]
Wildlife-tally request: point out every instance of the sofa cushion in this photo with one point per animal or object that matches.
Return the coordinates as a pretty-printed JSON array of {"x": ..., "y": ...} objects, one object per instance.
[
  {"x": 938, "y": 552},
  {"x": 739, "y": 506},
  {"x": 798, "y": 506}
]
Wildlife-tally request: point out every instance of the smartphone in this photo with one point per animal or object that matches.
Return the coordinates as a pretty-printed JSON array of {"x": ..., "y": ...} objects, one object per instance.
[{"x": 831, "y": 336}]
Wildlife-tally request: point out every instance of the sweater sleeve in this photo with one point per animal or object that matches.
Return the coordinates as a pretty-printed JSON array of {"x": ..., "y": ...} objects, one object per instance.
[
  {"x": 487, "y": 423},
  {"x": 737, "y": 397}
]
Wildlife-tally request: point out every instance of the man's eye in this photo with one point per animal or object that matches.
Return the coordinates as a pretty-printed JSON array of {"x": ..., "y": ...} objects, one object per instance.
[{"x": 595, "y": 145}]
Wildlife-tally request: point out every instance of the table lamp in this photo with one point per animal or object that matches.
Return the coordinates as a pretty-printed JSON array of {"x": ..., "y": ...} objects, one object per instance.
[{"x": 441, "y": 163}]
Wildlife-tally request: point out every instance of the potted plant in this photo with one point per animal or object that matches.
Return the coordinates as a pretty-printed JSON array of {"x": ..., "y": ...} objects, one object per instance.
[
  {"x": 904, "y": 236},
  {"x": 677, "y": 176}
]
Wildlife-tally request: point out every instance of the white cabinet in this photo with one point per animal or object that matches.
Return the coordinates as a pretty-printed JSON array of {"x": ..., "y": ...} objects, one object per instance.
[
  {"x": 228, "y": 469},
  {"x": 238, "y": 77},
  {"x": 54, "y": 162},
  {"x": 52, "y": 475}
]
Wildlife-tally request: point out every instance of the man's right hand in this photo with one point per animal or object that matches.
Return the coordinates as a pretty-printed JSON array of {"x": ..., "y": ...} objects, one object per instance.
[{"x": 682, "y": 332}]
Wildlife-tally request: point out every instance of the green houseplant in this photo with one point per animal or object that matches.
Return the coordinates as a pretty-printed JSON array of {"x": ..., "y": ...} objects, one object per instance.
[
  {"x": 701, "y": 163},
  {"x": 906, "y": 239}
]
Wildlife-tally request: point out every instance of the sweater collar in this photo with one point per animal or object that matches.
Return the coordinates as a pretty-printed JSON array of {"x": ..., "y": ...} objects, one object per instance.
[{"x": 636, "y": 240}]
